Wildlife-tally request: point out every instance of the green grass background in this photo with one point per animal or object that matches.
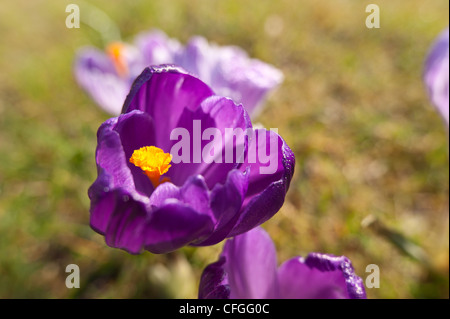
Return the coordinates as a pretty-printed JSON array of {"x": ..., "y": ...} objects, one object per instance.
[{"x": 353, "y": 109}]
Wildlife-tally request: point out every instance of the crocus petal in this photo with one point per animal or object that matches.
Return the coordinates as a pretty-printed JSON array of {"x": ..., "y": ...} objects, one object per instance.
[
  {"x": 126, "y": 222},
  {"x": 195, "y": 194},
  {"x": 102, "y": 203},
  {"x": 95, "y": 73},
  {"x": 249, "y": 80},
  {"x": 111, "y": 158},
  {"x": 199, "y": 58},
  {"x": 164, "y": 193},
  {"x": 224, "y": 118},
  {"x": 117, "y": 138},
  {"x": 230, "y": 119},
  {"x": 271, "y": 171},
  {"x": 164, "y": 92},
  {"x": 121, "y": 219},
  {"x": 319, "y": 276},
  {"x": 225, "y": 202},
  {"x": 175, "y": 225},
  {"x": 194, "y": 123},
  {"x": 436, "y": 74},
  {"x": 230, "y": 72},
  {"x": 136, "y": 130},
  {"x": 214, "y": 282},
  {"x": 156, "y": 48},
  {"x": 251, "y": 265}
]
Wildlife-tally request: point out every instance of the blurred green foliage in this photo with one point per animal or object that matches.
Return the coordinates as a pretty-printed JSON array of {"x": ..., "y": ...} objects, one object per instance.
[{"x": 352, "y": 107}]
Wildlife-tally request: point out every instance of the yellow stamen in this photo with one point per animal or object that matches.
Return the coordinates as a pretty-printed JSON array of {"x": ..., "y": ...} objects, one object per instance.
[
  {"x": 154, "y": 162},
  {"x": 115, "y": 51}
]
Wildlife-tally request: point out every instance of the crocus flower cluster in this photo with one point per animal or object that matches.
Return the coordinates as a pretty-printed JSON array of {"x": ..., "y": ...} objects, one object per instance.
[
  {"x": 436, "y": 75},
  {"x": 107, "y": 76},
  {"x": 247, "y": 269},
  {"x": 143, "y": 198}
]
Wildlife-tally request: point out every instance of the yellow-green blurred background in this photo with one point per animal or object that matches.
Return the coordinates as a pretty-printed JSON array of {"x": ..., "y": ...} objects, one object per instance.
[{"x": 352, "y": 107}]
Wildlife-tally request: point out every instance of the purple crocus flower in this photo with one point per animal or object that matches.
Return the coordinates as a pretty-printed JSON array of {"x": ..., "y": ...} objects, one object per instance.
[
  {"x": 158, "y": 192},
  {"x": 436, "y": 74},
  {"x": 247, "y": 269},
  {"x": 107, "y": 76}
]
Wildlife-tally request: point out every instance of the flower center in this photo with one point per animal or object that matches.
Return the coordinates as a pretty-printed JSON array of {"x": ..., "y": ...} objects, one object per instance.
[
  {"x": 115, "y": 51},
  {"x": 154, "y": 162}
]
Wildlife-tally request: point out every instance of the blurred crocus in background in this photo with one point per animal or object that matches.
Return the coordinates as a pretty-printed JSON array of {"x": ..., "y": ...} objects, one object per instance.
[
  {"x": 436, "y": 74},
  {"x": 142, "y": 199},
  {"x": 108, "y": 75},
  {"x": 247, "y": 269}
]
